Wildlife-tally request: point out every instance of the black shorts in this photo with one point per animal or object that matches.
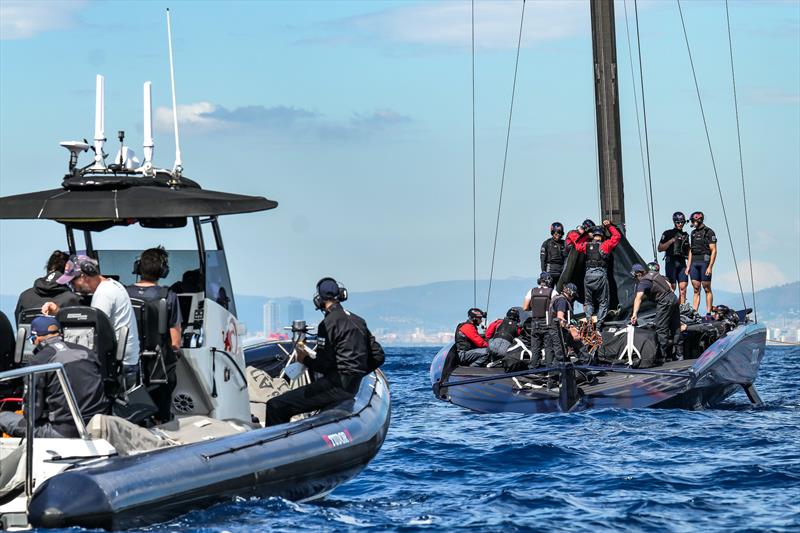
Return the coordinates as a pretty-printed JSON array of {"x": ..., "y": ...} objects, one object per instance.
[{"x": 675, "y": 269}]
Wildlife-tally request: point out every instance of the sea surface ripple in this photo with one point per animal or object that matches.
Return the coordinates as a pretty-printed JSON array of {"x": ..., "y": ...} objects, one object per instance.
[{"x": 734, "y": 468}]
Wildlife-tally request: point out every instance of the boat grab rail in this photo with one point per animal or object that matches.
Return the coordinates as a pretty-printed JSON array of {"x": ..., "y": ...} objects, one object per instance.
[{"x": 30, "y": 373}]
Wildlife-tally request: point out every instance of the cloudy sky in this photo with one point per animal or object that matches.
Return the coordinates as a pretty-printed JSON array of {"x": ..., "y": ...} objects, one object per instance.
[{"x": 356, "y": 118}]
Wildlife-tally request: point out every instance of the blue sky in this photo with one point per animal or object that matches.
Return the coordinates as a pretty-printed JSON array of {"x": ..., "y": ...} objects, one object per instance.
[{"x": 356, "y": 117}]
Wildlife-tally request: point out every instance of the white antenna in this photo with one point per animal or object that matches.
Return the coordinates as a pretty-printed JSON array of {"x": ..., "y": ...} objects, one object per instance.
[
  {"x": 99, "y": 123},
  {"x": 148, "y": 128},
  {"x": 178, "y": 163}
]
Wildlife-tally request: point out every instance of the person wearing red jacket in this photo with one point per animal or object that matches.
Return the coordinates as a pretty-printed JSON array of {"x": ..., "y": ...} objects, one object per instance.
[
  {"x": 579, "y": 234},
  {"x": 595, "y": 282},
  {"x": 472, "y": 348}
]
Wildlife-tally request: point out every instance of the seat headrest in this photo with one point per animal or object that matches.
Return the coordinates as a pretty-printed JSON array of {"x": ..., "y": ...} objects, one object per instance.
[{"x": 88, "y": 327}]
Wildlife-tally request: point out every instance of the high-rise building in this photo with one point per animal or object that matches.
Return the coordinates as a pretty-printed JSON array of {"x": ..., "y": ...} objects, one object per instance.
[
  {"x": 296, "y": 311},
  {"x": 271, "y": 318}
]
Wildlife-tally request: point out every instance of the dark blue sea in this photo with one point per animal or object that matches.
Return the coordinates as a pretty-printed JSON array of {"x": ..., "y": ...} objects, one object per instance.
[{"x": 441, "y": 468}]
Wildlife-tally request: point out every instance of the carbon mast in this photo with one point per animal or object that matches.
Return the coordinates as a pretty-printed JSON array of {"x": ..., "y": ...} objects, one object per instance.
[{"x": 609, "y": 143}]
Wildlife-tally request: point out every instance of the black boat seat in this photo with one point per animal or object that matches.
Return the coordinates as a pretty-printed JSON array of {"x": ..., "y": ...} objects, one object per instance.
[
  {"x": 154, "y": 341},
  {"x": 8, "y": 343},
  {"x": 92, "y": 328},
  {"x": 26, "y": 316}
]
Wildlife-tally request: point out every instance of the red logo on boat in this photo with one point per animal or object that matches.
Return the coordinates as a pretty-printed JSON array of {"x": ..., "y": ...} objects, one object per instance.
[{"x": 334, "y": 440}]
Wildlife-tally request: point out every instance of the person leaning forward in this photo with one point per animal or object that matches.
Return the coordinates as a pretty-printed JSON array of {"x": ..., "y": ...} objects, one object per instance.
[
  {"x": 52, "y": 416},
  {"x": 344, "y": 344},
  {"x": 667, "y": 319}
]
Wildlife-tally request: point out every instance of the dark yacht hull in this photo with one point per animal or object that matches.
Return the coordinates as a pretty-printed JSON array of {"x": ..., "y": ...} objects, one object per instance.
[
  {"x": 726, "y": 366},
  {"x": 299, "y": 461}
]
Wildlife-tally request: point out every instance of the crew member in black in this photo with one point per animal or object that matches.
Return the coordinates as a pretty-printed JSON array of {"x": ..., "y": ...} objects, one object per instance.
[
  {"x": 702, "y": 255},
  {"x": 565, "y": 335},
  {"x": 501, "y": 333},
  {"x": 471, "y": 346},
  {"x": 151, "y": 266},
  {"x": 46, "y": 289},
  {"x": 53, "y": 417},
  {"x": 542, "y": 335},
  {"x": 554, "y": 252},
  {"x": 668, "y": 320},
  {"x": 675, "y": 245},
  {"x": 343, "y": 349}
]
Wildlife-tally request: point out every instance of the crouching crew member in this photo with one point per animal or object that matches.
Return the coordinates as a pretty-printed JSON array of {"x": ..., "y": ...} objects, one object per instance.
[
  {"x": 702, "y": 255},
  {"x": 344, "y": 344},
  {"x": 668, "y": 319},
  {"x": 501, "y": 333},
  {"x": 472, "y": 348},
  {"x": 595, "y": 282},
  {"x": 675, "y": 245},
  {"x": 542, "y": 335},
  {"x": 82, "y": 366},
  {"x": 554, "y": 252}
]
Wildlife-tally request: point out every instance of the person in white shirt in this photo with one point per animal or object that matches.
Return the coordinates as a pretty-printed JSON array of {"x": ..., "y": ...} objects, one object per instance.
[{"x": 109, "y": 296}]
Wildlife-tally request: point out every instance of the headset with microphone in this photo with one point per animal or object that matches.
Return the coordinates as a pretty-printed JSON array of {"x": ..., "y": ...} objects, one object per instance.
[{"x": 340, "y": 296}]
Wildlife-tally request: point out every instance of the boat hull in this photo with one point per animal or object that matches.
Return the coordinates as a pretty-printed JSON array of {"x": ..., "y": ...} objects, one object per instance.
[
  {"x": 298, "y": 461},
  {"x": 727, "y": 365}
]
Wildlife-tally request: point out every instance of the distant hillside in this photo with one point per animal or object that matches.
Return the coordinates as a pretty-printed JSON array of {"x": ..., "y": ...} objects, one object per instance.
[{"x": 439, "y": 306}]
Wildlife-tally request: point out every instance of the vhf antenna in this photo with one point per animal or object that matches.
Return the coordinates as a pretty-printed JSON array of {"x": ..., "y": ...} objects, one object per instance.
[
  {"x": 147, "y": 167},
  {"x": 99, "y": 124},
  {"x": 178, "y": 168}
]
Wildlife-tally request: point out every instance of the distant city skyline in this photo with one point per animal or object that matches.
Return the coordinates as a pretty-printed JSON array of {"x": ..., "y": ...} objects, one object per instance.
[{"x": 356, "y": 117}]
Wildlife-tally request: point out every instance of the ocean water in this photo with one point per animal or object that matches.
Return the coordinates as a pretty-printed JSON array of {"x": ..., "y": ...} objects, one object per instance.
[{"x": 729, "y": 469}]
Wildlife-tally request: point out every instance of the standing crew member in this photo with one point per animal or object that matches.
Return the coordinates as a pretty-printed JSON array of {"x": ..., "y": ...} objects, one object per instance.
[
  {"x": 702, "y": 255},
  {"x": 579, "y": 234},
  {"x": 668, "y": 319},
  {"x": 472, "y": 348},
  {"x": 53, "y": 419},
  {"x": 595, "y": 282},
  {"x": 554, "y": 252},
  {"x": 109, "y": 296},
  {"x": 46, "y": 289},
  {"x": 153, "y": 265},
  {"x": 538, "y": 303},
  {"x": 565, "y": 336},
  {"x": 344, "y": 344},
  {"x": 501, "y": 333},
  {"x": 675, "y": 245}
]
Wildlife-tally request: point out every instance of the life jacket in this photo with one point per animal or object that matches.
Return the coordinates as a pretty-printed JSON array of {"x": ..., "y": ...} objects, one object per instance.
[
  {"x": 661, "y": 286},
  {"x": 701, "y": 240},
  {"x": 555, "y": 256},
  {"x": 553, "y": 314},
  {"x": 463, "y": 344},
  {"x": 595, "y": 258},
  {"x": 540, "y": 302},
  {"x": 507, "y": 329}
]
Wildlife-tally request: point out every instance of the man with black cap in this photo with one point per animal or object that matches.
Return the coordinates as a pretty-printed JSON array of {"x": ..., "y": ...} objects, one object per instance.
[
  {"x": 675, "y": 245},
  {"x": 344, "y": 348},
  {"x": 667, "y": 320},
  {"x": 82, "y": 273},
  {"x": 53, "y": 417},
  {"x": 595, "y": 282},
  {"x": 47, "y": 289}
]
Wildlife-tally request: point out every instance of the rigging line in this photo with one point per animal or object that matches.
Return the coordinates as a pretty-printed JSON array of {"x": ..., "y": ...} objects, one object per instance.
[
  {"x": 647, "y": 193},
  {"x": 741, "y": 160},
  {"x": 646, "y": 135},
  {"x": 711, "y": 152},
  {"x": 474, "y": 179},
  {"x": 505, "y": 157}
]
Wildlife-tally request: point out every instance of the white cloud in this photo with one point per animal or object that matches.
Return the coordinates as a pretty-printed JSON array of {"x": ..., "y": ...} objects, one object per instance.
[
  {"x": 197, "y": 117},
  {"x": 25, "y": 19},
  {"x": 765, "y": 274},
  {"x": 449, "y": 24}
]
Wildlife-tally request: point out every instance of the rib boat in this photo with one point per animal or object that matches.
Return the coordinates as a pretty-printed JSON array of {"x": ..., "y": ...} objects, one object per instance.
[
  {"x": 720, "y": 356},
  {"x": 118, "y": 474}
]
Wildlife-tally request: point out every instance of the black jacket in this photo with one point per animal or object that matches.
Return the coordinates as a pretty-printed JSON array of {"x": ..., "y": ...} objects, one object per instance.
[
  {"x": 83, "y": 372},
  {"x": 46, "y": 290},
  {"x": 343, "y": 345}
]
